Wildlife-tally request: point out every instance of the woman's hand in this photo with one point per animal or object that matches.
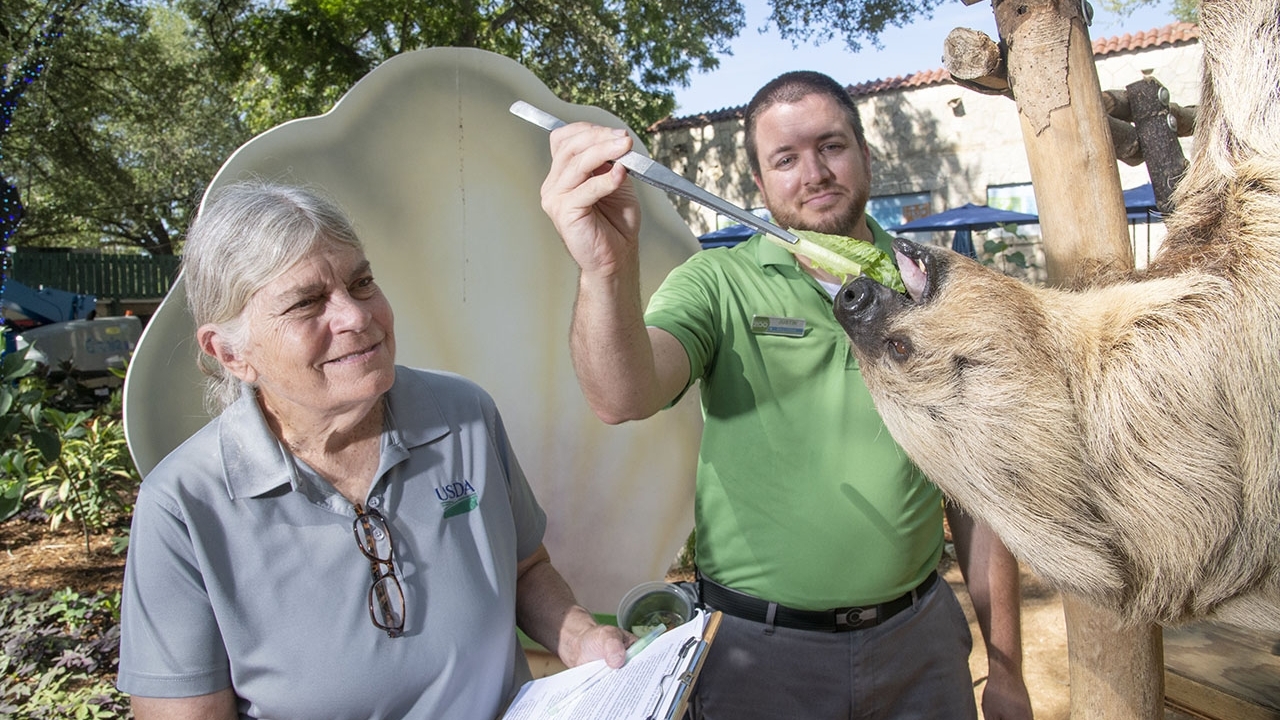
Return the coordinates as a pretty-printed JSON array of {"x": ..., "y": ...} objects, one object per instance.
[
  {"x": 581, "y": 642},
  {"x": 547, "y": 611}
]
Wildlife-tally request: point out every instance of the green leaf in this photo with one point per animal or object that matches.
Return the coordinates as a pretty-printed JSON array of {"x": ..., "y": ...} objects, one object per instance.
[
  {"x": 845, "y": 257},
  {"x": 11, "y": 492},
  {"x": 48, "y": 444},
  {"x": 16, "y": 365},
  {"x": 9, "y": 427},
  {"x": 120, "y": 543}
]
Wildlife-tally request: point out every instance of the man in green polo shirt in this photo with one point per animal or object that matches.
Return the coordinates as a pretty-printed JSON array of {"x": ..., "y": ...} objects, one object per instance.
[{"x": 817, "y": 538}]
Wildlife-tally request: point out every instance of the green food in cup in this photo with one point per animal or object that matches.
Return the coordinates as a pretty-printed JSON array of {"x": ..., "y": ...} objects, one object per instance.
[{"x": 667, "y": 619}]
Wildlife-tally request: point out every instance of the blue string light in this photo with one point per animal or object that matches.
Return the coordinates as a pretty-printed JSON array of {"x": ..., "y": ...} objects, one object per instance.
[
  {"x": 4, "y": 326},
  {"x": 11, "y": 210}
]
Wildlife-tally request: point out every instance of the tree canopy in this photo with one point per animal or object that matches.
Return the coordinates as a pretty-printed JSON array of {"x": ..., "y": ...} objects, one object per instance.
[
  {"x": 1184, "y": 10},
  {"x": 142, "y": 100},
  {"x": 115, "y": 142}
]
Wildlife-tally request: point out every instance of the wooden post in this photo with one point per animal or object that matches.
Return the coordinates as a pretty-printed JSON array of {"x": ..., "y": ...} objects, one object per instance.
[
  {"x": 1064, "y": 129},
  {"x": 1117, "y": 672}
]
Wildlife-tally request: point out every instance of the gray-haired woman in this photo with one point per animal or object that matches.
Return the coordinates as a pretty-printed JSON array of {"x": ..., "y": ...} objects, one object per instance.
[{"x": 348, "y": 537}]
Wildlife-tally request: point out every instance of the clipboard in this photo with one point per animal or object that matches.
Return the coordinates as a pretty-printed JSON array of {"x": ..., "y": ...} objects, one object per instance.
[
  {"x": 655, "y": 685},
  {"x": 689, "y": 676}
]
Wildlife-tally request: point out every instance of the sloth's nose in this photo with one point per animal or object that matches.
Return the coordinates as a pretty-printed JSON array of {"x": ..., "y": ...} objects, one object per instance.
[{"x": 856, "y": 297}]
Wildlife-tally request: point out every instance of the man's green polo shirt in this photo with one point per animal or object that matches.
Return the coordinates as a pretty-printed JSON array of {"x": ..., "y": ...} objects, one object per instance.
[{"x": 803, "y": 498}]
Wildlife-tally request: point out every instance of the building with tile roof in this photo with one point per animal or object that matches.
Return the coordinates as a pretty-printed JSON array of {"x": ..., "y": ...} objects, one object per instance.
[{"x": 934, "y": 144}]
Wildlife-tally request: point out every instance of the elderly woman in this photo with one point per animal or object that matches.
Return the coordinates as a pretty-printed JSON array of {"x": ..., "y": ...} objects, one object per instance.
[{"x": 348, "y": 538}]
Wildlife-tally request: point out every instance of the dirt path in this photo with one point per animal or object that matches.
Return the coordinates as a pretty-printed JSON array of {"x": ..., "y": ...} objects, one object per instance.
[{"x": 32, "y": 557}]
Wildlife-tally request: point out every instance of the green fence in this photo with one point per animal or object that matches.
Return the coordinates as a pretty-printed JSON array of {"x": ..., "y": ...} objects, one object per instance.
[{"x": 103, "y": 276}]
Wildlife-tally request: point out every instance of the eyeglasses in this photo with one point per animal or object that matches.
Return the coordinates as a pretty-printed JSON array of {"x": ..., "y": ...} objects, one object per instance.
[{"x": 386, "y": 597}]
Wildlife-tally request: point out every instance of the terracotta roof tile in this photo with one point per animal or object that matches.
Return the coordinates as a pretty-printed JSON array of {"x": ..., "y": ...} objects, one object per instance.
[
  {"x": 920, "y": 79},
  {"x": 1175, "y": 34}
]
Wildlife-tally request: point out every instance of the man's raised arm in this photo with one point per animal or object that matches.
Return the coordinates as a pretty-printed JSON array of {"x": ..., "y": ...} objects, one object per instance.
[{"x": 627, "y": 372}]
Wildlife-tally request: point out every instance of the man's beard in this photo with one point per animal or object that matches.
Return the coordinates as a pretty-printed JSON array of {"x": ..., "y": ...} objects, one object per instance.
[{"x": 841, "y": 223}]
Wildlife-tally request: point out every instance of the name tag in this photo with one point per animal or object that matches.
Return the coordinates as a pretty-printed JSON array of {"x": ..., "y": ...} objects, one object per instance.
[{"x": 770, "y": 325}]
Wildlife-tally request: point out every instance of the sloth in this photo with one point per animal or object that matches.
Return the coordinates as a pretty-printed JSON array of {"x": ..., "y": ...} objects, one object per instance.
[{"x": 1123, "y": 438}]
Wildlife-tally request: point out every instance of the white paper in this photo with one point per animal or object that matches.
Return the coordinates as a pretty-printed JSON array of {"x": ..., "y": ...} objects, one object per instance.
[{"x": 646, "y": 686}]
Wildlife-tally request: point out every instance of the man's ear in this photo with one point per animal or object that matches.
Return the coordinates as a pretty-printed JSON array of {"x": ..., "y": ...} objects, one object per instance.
[
  {"x": 214, "y": 344},
  {"x": 755, "y": 178}
]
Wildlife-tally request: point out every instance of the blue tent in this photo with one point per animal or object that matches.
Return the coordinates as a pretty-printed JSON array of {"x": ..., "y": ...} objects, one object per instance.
[
  {"x": 1139, "y": 204},
  {"x": 967, "y": 216},
  {"x": 964, "y": 220}
]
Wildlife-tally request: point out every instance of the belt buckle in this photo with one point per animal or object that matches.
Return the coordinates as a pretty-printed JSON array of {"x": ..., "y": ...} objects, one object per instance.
[{"x": 856, "y": 617}]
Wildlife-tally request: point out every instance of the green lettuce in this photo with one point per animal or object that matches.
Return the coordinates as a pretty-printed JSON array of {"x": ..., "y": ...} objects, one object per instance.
[{"x": 845, "y": 257}]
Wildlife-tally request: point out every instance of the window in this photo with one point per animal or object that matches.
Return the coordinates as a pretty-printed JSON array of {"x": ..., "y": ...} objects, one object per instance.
[
  {"x": 893, "y": 210},
  {"x": 1017, "y": 198}
]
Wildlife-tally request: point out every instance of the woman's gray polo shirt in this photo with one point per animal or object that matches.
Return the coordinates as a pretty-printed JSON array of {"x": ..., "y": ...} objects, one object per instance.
[{"x": 243, "y": 569}]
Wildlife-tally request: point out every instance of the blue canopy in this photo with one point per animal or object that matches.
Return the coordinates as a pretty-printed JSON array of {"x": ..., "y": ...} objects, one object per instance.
[
  {"x": 1140, "y": 204},
  {"x": 967, "y": 216},
  {"x": 1142, "y": 197},
  {"x": 724, "y": 237}
]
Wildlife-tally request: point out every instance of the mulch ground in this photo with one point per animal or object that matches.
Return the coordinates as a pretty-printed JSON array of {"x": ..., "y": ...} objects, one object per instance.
[{"x": 35, "y": 557}]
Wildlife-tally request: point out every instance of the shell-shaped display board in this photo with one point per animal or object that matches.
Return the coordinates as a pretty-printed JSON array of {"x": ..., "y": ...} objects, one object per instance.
[{"x": 442, "y": 184}]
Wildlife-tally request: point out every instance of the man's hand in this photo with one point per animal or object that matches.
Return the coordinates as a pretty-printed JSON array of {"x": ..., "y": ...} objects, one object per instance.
[
  {"x": 589, "y": 199},
  {"x": 594, "y": 207},
  {"x": 991, "y": 575},
  {"x": 1005, "y": 697}
]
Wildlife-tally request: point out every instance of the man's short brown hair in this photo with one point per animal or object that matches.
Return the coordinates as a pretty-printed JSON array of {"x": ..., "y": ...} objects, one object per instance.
[{"x": 793, "y": 87}]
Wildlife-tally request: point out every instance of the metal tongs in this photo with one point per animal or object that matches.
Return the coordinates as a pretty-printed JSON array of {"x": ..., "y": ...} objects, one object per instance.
[{"x": 659, "y": 176}]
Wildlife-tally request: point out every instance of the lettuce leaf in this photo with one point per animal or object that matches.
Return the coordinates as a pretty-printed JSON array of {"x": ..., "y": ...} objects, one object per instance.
[{"x": 845, "y": 257}]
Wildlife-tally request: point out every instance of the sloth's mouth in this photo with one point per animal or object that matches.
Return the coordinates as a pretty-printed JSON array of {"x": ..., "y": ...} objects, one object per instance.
[
  {"x": 866, "y": 309},
  {"x": 916, "y": 267}
]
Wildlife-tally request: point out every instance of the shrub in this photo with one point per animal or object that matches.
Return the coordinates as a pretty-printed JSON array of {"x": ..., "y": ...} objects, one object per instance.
[
  {"x": 71, "y": 459},
  {"x": 21, "y": 400},
  {"x": 58, "y": 656},
  {"x": 92, "y": 478}
]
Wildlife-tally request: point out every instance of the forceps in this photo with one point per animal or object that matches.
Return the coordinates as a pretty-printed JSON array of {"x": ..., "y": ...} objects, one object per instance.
[{"x": 659, "y": 176}]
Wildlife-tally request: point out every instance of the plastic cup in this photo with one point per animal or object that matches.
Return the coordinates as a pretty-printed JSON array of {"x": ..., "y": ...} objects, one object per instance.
[{"x": 650, "y": 604}]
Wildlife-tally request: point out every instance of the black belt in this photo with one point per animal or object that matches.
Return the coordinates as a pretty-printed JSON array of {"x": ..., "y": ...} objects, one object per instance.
[{"x": 749, "y": 607}]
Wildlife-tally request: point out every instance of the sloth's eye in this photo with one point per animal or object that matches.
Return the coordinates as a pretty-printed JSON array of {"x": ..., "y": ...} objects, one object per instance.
[{"x": 899, "y": 349}]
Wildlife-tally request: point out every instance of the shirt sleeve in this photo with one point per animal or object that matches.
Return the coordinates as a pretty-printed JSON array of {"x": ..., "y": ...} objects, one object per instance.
[
  {"x": 530, "y": 519},
  {"x": 685, "y": 306},
  {"x": 170, "y": 645}
]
